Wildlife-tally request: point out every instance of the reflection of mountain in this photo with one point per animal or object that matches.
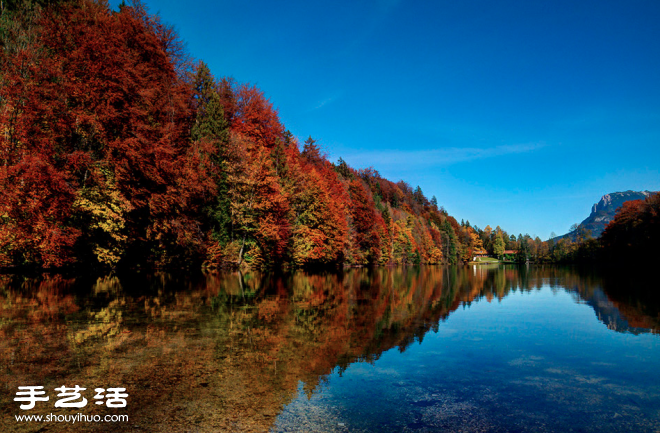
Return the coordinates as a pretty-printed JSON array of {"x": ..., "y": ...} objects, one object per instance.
[
  {"x": 610, "y": 314},
  {"x": 226, "y": 351}
]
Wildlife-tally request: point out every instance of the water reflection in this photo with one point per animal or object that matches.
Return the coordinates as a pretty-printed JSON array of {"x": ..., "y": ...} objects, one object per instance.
[{"x": 226, "y": 351}]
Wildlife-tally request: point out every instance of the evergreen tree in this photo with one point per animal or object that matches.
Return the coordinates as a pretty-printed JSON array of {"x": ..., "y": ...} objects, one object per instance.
[
  {"x": 418, "y": 195},
  {"x": 523, "y": 249},
  {"x": 343, "y": 169},
  {"x": 210, "y": 124},
  {"x": 498, "y": 245},
  {"x": 312, "y": 152},
  {"x": 452, "y": 247}
]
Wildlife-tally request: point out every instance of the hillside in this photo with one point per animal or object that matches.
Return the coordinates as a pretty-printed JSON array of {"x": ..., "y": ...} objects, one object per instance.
[
  {"x": 603, "y": 212},
  {"x": 118, "y": 149}
]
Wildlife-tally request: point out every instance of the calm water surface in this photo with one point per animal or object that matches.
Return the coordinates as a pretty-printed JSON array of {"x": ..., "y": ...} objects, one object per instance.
[{"x": 400, "y": 349}]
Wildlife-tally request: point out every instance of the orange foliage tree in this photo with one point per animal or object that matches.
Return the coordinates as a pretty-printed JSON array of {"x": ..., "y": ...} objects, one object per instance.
[
  {"x": 319, "y": 208},
  {"x": 115, "y": 149}
]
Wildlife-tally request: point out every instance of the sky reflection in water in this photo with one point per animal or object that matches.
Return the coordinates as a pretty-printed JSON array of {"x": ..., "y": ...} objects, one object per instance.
[
  {"x": 533, "y": 361},
  {"x": 403, "y": 349}
]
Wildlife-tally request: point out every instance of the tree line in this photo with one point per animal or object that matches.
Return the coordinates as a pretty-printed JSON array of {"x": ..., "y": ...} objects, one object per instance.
[
  {"x": 117, "y": 148},
  {"x": 631, "y": 236}
]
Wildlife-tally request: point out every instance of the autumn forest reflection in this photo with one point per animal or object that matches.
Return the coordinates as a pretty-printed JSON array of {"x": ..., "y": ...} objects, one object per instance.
[{"x": 228, "y": 351}]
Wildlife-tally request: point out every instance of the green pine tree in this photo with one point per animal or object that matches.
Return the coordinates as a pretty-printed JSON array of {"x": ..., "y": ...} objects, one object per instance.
[
  {"x": 498, "y": 245},
  {"x": 210, "y": 124},
  {"x": 452, "y": 247}
]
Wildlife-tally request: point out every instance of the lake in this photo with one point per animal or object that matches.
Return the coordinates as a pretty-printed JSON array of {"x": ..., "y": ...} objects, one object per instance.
[{"x": 473, "y": 349}]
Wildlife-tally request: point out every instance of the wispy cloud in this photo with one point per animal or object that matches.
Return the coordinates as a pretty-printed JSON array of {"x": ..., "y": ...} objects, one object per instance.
[
  {"x": 323, "y": 103},
  {"x": 436, "y": 157}
]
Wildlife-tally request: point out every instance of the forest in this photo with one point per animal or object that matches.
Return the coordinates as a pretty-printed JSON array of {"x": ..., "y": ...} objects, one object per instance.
[{"x": 117, "y": 149}]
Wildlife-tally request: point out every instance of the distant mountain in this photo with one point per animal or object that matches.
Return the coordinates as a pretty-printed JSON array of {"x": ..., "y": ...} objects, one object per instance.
[{"x": 603, "y": 211}]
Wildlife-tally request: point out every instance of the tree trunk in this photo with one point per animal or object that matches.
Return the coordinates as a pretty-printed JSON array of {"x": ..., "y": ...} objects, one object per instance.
[{"x": 240, "y": 254}]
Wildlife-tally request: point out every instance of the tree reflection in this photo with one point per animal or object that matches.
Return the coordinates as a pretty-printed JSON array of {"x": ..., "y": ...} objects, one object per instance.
[{"x": 226, "y": 351}]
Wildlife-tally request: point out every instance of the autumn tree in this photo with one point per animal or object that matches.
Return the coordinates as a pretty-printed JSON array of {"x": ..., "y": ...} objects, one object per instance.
[
  {"x": 115, "y": 148},
  {"x": 634, "y": 232},
  {"x": 107, "y": 121},
  {"x": 319, "y": 208},
  {"x": 260, "y": 229},
  {"x": 367, "y": 224},
  {"x": 255, "y": 117}
]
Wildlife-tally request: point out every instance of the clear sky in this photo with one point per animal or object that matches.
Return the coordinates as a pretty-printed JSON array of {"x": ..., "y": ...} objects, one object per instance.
[{"x": 513, "y": 113}]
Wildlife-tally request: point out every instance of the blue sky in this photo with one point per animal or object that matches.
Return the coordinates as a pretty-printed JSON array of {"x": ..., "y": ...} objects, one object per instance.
[{"x": 519, "y": 114}]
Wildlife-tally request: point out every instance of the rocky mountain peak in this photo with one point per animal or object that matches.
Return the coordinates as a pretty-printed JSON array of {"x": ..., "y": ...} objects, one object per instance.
[{"x": 603, "y": 212}]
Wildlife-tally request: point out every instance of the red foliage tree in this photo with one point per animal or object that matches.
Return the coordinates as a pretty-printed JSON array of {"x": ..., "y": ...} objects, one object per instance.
[
  {"x": 319, "y": 204},
  {"x": 368, "y": 224},
  {"x": 255, "y": 118},
  {"x": 634, "y": 232},
  {"x": 106, "y": 112}
]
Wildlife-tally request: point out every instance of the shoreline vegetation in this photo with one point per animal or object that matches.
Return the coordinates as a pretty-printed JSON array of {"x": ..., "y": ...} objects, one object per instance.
[{"x": 117, "y": 149}]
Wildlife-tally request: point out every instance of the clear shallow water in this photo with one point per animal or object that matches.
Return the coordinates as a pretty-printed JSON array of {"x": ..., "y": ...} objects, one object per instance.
[
  {"x": 403, "y": 349},
  {"x": 534, "y": 361}
]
